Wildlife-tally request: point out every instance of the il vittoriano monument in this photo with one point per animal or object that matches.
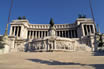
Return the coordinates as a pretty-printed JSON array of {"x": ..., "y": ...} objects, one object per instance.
[{"x": 26, "y": 44}]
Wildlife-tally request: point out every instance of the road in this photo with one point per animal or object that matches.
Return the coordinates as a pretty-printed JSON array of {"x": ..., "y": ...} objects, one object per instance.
[{"x": 51, "y": 60}]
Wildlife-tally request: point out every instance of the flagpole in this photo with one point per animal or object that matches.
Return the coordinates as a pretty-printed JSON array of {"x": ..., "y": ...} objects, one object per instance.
[
  {"x": 90, "y": 3},
  {"x": 6, "y": 30}
]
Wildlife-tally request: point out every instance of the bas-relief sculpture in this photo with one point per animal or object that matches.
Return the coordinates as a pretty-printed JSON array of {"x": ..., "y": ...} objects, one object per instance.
[
  {"x": 50, "y": 45},
  {"x": 65, "y": 45}
]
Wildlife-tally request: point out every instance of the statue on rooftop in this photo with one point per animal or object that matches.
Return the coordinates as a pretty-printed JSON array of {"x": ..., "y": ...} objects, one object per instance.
[
  {"x": 51, "y": 22},
  {"x": 52, "y": 30}
]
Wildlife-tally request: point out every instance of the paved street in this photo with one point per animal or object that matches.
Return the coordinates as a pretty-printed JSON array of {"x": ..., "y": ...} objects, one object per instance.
[{"x": 51, "y": 60}]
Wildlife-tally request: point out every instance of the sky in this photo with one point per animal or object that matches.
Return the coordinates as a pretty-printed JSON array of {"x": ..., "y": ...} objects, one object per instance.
[{"x": 40, "y": 11}]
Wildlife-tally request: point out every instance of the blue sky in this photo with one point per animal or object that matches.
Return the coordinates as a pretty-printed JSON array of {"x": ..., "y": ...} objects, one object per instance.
[{"x": 40, "y": 11}]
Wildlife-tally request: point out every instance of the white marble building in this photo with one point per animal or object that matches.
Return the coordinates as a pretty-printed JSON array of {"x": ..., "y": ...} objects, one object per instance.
[{"x": 78, "y": 36}]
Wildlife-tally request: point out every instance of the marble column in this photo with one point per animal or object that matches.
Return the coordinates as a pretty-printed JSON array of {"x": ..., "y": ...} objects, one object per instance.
[
  {"x": 59, "y": 33},
  {"x": 62, "y": 34},
  {"x": 90, "y": 29},
  {"x": 68, "y": 34},
  {"x": 65, "y": 33},
  {"x": 29, "y": 34},
  {"x": 74, "y": 34},
  {"x": 14, "y": 31},
  {"x": 93, "y": 28},
  {"x": 11, "y": 30},
  {"x": 38, "y": 34},
  {"x": 35, "y": 34},
  {"x": 71, "y": 34},
  {"x": 32, "y": 34},
  {"x": 83, "y": 32},
  {"x": 17, "y": 31},
  {"x": 87, "y": 30},
  {"x": 42, "y": 34}
]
